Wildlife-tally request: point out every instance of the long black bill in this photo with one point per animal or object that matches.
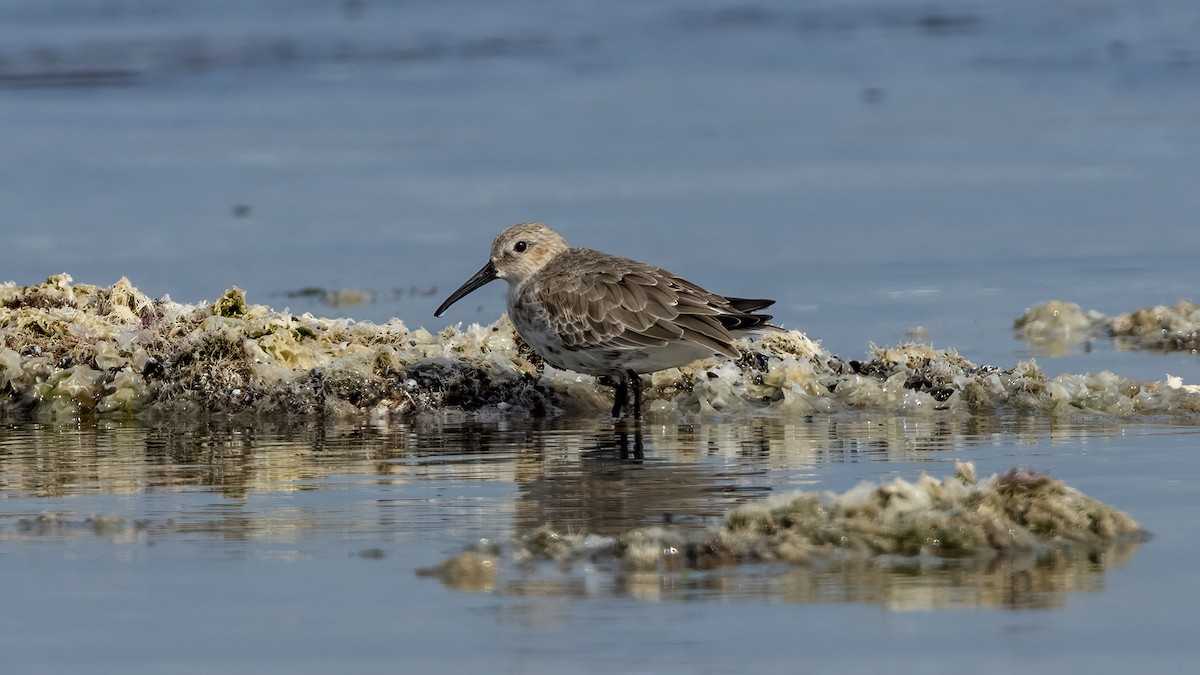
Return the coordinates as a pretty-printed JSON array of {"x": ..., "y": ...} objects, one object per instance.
[{"x": 483, "y": 276}]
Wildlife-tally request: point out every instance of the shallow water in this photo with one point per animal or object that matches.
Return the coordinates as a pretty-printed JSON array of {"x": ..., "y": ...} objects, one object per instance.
[
  {"x": 876, "y": 167},
  {"x": 294, "y": 548}
]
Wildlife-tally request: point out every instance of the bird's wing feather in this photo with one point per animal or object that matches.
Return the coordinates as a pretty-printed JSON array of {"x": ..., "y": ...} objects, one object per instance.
[{"x": 597, "y": 301}]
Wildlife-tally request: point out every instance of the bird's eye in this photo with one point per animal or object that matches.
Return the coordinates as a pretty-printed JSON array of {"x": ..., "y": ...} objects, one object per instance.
[{"x": 520, "y": 247}]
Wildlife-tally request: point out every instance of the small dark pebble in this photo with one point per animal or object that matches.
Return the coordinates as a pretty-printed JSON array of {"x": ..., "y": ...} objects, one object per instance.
[{"x": 153, "y": 368}]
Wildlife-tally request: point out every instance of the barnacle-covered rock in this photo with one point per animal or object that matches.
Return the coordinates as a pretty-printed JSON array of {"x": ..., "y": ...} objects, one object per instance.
[
  {"x": 1018, "y": 515},
  {"x": 69, "y": 350},
  {"x": 1163, "y": 328}
]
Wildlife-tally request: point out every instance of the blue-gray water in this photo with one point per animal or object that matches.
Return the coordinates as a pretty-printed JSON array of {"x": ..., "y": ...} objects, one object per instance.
[
  {"x": 874, "y": 166},
  {"x": 293, "y": 549}
]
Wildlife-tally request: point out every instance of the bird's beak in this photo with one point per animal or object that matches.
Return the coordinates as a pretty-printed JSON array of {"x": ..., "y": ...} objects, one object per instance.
[{"x": 483, "y": 276}]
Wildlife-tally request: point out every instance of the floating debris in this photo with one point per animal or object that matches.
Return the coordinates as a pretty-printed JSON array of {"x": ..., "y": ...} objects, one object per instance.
[
  {"x": 69, "y": 351},
  {"x": 1162, "y": 328},
  {"x": 1019, "y": 515},
  {"x": 65, "y": 525},
  {"x": 344, "y": 297},
  {"x": 373, "y": 553}
]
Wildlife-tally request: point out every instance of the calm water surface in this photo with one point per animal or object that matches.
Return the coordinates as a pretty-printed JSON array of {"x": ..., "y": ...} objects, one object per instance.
[
  {"x": 136, "y": 548},
  {"x": 875, "y": 166}
]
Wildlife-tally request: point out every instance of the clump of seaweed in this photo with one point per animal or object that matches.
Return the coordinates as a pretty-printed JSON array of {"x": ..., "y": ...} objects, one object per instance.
[
  {"x": 1174, "y": 328},
  {"x": 1160, "y": 328},
  {"x": 1055, "y": 325},
  {"x": 75, "y": 350},
  {"x": 894, "y": 523},
  {"x": 1018, "y": 511}
]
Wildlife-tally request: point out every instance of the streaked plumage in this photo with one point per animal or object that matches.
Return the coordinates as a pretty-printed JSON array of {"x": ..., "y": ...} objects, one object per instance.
[{"x": 603, "y": 315}]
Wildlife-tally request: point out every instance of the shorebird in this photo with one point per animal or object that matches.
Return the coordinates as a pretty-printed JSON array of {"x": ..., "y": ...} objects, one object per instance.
[{"x": 607, "y": 316}]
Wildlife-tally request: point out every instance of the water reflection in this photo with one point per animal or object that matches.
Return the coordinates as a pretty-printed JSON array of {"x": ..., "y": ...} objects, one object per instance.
[
  {"x": 1020, "y": 582},
  {"x": 221, "y": 485},
  {"x": 695, "y": 468}
]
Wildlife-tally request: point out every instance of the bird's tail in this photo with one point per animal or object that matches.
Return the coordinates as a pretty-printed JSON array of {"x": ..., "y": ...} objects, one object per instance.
[{"x": 746, "y": 317}]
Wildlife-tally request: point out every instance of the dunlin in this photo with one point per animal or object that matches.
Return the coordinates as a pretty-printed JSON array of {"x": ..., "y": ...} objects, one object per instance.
[{"x": 599, "y": 314}]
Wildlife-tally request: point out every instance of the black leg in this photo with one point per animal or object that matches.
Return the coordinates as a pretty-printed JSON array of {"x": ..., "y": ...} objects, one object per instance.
[
  {"x": 636, "y": 383},
  {"x": 638, "y": 449},
  {"x": 620, "y": 395}
]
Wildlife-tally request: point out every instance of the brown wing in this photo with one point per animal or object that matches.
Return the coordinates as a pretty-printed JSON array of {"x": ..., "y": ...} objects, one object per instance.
[{"x": 595, "y": 300}]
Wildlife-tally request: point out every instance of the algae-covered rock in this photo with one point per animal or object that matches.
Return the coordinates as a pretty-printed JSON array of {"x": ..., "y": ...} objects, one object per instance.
[
  {"x": 1055, "y": 324},
  {"x": 474, "y": 570},
  {"x": 1163, "y": 328},
  {"x": 899, "y": 524},
  {"x": 70, "y": 350},
  {"x": 1174, "y": 328},
  {"x": 1019, "y": 510}
]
